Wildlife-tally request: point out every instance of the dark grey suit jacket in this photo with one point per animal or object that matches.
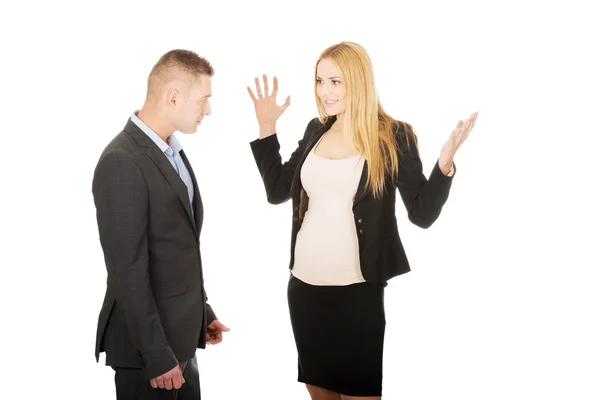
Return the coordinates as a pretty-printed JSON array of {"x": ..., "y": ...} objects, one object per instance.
[{"x": 155, "y": 313}]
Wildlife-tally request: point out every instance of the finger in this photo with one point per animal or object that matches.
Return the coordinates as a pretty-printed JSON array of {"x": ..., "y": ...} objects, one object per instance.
[
  {"x": 464, "y": 127},
  {"x": 177, "y": 381},
  {"x": 473, "y": 119},
  {"x": 286, "y": 104},
  {"x": 275, "y": 86},
  {"x": 258, "y": 91},
  {"x": 251, "y": 94},
  {"x": 470, "y": 123},
  {"x": 161, "y": 383},
  {"x": 467, "y": 124},
  {"x": 153, "y": 383},
  {"x": 266, "y": 83},
  {"x": 223, "y": 327},
  {"x": 168, "y": 384},
  {"x": 466, "y": 134}
]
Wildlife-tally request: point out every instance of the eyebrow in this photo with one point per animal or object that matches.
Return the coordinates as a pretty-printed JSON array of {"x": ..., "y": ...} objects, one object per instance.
[{"x": 331, "y": 77}]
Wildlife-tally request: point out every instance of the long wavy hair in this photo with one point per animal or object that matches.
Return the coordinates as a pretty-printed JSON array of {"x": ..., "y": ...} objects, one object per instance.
[{"x": 371, "y": 129}]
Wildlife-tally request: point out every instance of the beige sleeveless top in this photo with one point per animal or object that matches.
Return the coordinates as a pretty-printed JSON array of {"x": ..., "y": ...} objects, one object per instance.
[{"x": 326, "y": 251}]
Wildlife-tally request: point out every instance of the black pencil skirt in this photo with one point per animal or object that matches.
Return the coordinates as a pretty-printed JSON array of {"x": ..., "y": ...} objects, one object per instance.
[{"x": 339, "y": 333}]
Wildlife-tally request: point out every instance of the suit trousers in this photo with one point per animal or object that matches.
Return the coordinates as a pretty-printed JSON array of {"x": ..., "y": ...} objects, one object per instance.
[{"x": 131, "y": 384}]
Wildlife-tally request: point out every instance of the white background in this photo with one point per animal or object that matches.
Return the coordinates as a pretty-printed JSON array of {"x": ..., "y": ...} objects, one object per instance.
[{"x": 502, "y": 301}]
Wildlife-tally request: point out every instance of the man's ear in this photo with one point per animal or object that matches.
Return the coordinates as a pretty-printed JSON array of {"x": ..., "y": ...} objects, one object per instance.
[{"x": 173, "y": 97}]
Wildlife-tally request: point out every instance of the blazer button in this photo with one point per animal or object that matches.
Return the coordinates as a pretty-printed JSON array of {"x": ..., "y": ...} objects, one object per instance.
[
  {"x": 361, "y": 231},
  {"x": 360, "y": 221}
]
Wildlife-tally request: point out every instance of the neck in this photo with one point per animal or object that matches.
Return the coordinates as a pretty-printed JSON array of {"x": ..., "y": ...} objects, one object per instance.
[
  {"x": 156, "y": 120},
  {"x": 338, "y": 125}
]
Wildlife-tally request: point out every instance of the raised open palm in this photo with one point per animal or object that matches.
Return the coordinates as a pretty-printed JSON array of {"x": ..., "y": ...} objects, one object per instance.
[
  {"x": 458, "y": 136},
  {"x": 265, "y": 106}
]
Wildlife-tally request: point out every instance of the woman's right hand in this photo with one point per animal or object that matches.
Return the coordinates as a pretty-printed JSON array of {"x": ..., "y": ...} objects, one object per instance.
[{"x": 265, "y": 106}]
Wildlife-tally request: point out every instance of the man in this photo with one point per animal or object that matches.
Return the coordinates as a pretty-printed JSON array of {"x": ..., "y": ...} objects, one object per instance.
[{"x": 149, "y": 214}]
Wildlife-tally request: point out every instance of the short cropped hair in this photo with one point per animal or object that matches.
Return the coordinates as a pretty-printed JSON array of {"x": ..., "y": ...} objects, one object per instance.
[{"x": 175, "y": 63}]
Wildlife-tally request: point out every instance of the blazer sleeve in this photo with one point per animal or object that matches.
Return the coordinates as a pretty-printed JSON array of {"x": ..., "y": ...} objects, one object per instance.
[
  {"x": 277, "y": 176},
  {"x": 423, "y": 198},
  {"x": 121, "y": 199},
  {"x": 210, "y": 314}
]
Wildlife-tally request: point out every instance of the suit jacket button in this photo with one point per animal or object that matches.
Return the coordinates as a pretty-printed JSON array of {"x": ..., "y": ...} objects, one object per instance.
[
  {"x": 361, "y": 231},
  {"x": 360, "y": 221}
]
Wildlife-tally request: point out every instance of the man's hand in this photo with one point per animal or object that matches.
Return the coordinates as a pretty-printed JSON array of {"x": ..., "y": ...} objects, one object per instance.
[
  {"x": 171, "y": 380},
  {"x": 214, "y": 332}
]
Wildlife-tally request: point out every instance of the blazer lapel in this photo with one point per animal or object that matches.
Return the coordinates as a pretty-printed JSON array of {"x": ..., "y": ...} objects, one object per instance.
[
  {"x": 362, "y": 191},
  {"x": 198, "y": 207},
  {"x": 314, "y": 138},
  {"x": 163, "y": 164},
  {"x": 171, "y": 175}
]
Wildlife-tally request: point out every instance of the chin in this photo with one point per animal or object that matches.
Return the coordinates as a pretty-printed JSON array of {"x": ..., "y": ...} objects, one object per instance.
[
  {"x": 190, "y": 130},
  {"x": 333, "y": 111}
]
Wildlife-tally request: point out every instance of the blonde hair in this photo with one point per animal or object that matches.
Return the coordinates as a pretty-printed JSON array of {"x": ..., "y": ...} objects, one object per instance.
[{"x": 372, "y": 129}]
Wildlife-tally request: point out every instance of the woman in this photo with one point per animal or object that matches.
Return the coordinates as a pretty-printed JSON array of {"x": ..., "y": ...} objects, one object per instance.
[{"x": 345, "y": 243}]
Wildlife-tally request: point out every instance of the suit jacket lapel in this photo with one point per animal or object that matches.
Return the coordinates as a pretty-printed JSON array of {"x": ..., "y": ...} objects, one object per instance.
[
  {"x": 171, "y": 175},
  {"x": 163, "y": 164},
  {"x": 314, "y": 138},
  {"x": 198, "y": 207},
  {"x": 362, "y": 191}
]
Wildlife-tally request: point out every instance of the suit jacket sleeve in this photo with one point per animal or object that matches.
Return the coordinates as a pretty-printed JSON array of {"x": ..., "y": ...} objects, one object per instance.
[
  {"x": 422, "y": 197},
  {"x": 121, "y": 199},
  {"x": 277, "y": 176},
  {"x": 210, "y": 314}
]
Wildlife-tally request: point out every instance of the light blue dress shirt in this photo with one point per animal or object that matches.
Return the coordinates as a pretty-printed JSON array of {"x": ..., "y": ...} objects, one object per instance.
[{"x": 171, "y": 151}]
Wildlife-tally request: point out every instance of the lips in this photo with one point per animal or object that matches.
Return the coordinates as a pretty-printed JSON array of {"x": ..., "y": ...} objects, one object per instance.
[{"x": 330, "y": 102}]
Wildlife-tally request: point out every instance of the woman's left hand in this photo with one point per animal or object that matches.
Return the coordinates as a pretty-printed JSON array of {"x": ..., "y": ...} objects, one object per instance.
[{"x": 458, "y": 136}]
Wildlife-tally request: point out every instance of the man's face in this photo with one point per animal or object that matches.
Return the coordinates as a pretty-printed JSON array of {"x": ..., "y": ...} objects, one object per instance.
[{"x": 193, "y": 104}]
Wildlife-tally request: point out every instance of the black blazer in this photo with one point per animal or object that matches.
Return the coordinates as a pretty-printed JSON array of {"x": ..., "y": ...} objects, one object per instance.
[
  {"x": 381, "y": 252},
  {"x": 155, "y": 313}
]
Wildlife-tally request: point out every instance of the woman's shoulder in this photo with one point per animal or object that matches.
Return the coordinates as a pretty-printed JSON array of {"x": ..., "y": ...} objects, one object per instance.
[
  {"x": 404, "y": 134},
  {"x": 315, "y": 125}
]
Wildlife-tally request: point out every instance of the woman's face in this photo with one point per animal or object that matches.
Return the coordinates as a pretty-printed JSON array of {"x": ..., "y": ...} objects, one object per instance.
[{"x": 330, "y": 87}]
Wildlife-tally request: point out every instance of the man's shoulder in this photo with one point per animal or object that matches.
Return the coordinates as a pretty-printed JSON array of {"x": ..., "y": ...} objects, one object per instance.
[
  {"x": 122, "y": 144},
  {"x": 123, "y": 150}
]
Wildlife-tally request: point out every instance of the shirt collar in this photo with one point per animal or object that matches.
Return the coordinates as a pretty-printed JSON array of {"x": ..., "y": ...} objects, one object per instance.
[{"x": 173, "y": 146}]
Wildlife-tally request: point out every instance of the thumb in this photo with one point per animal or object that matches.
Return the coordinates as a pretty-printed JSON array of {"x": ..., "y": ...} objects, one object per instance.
[
  {"x": 287, "y": 103},
  {"x": 224, "y": 328}
]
